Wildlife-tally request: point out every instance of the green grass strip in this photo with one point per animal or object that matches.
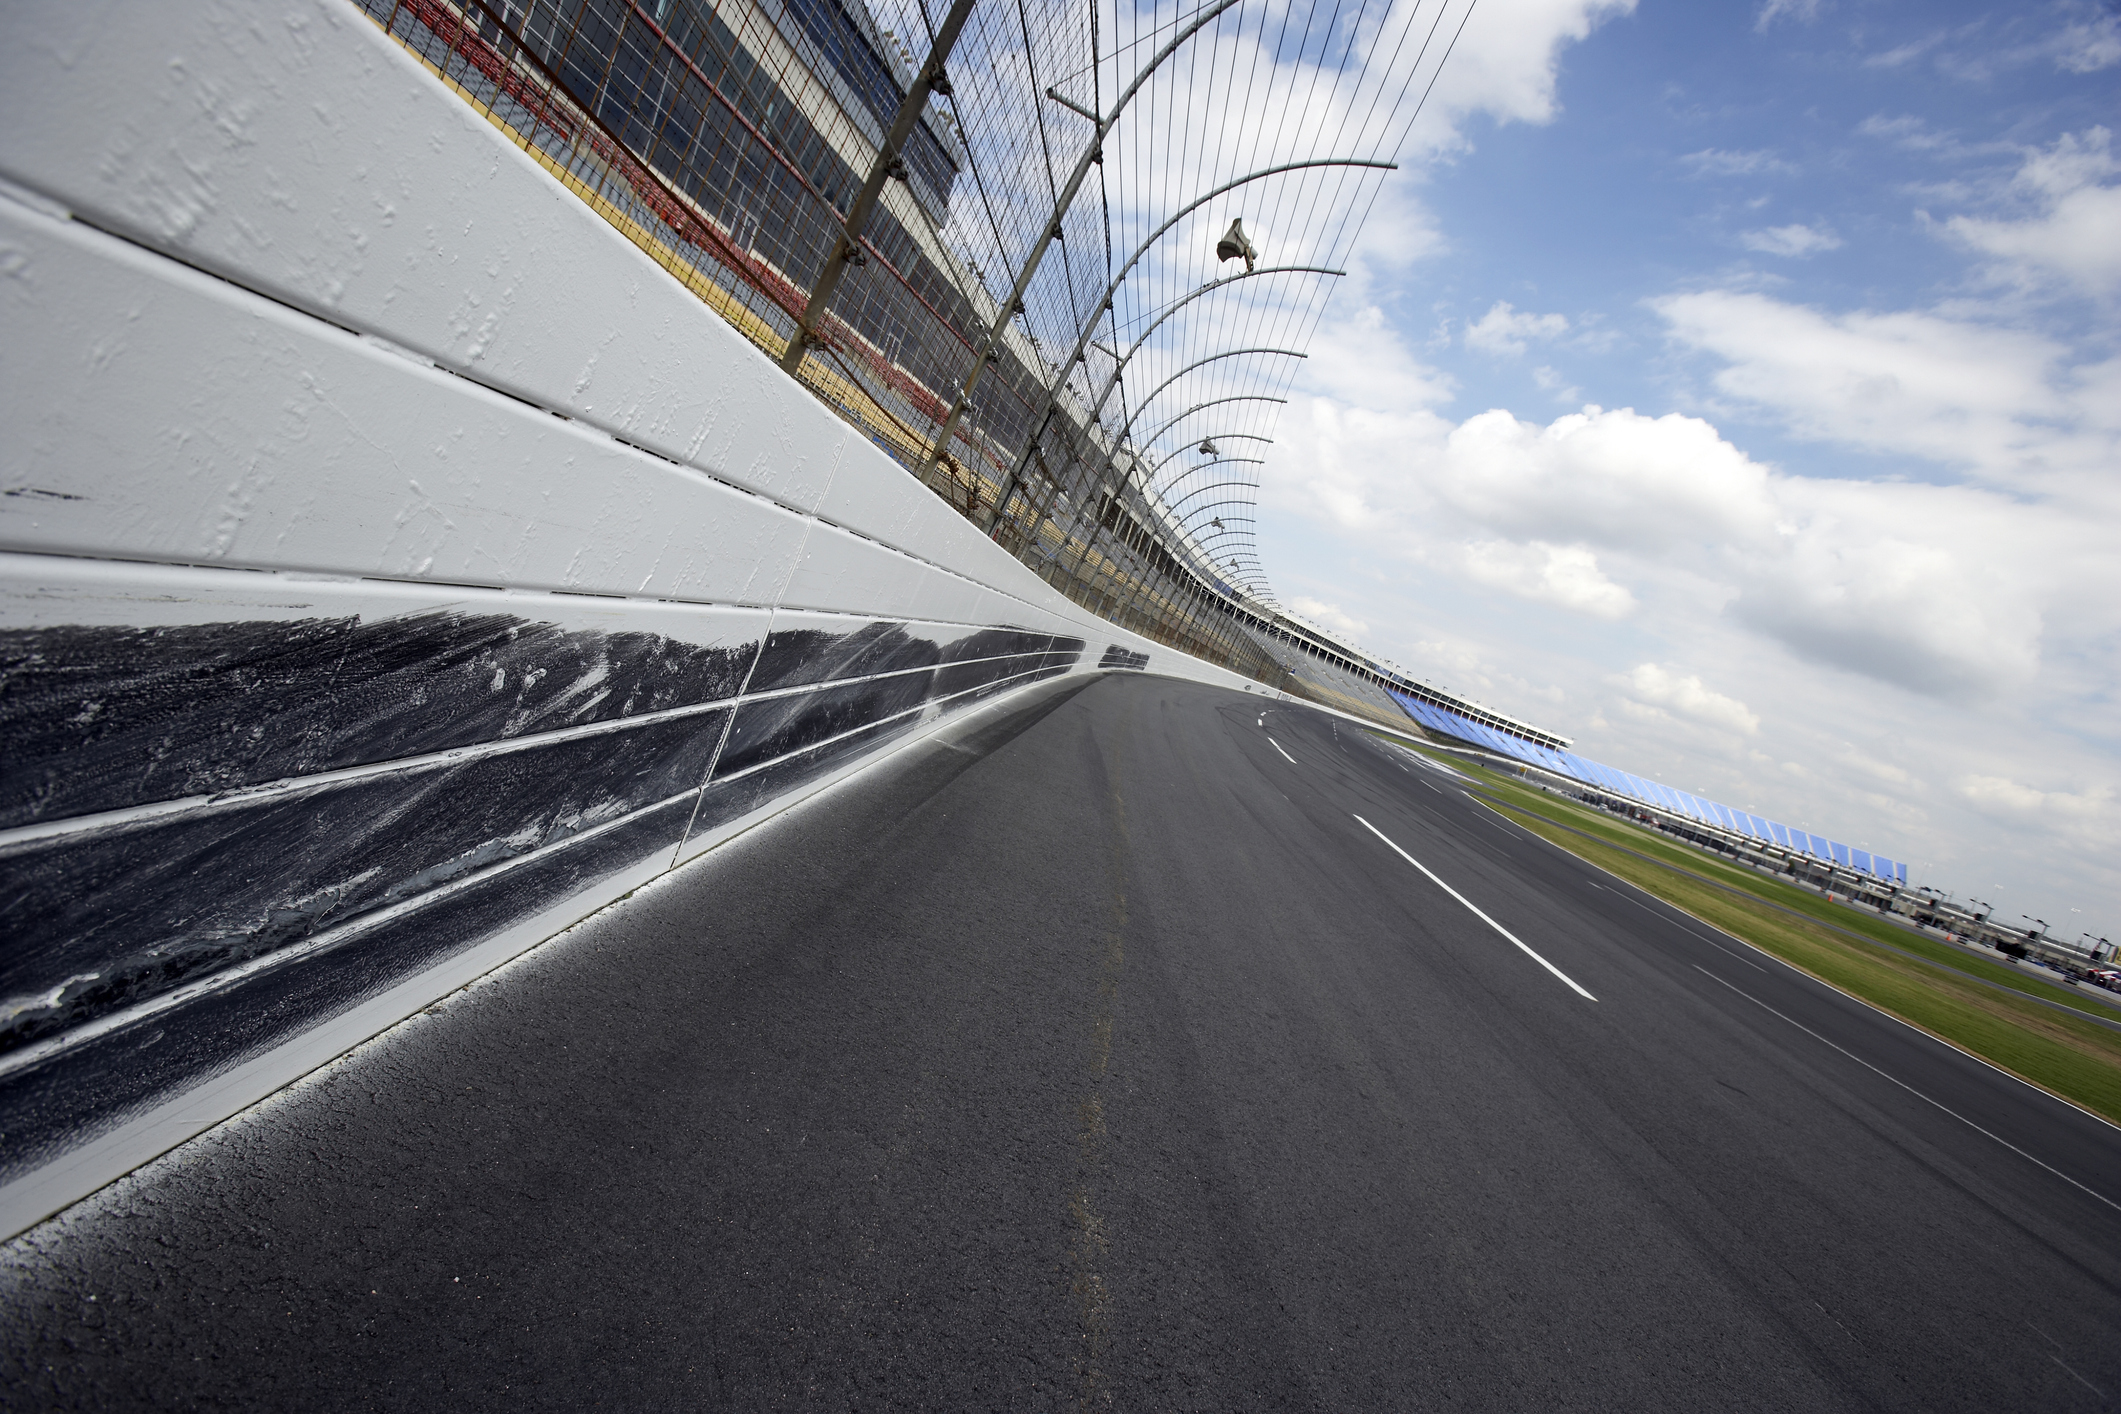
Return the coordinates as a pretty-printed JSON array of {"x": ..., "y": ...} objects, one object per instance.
[
  {"x": 2072, "y": 1057},
  {"x": 1838, "y": 917},
  {"x": 1951, "y": 998}
]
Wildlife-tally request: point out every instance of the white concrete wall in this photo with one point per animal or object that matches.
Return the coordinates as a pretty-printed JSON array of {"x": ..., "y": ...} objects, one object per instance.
[{"x": 376, "y": 522}]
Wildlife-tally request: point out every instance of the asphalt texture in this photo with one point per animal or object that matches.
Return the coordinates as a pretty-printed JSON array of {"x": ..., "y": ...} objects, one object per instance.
[{"x": 1095, "y": 1054}]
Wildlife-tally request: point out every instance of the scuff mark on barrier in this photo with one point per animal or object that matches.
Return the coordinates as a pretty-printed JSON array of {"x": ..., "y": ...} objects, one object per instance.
[
  {"x": 197, "y": 709},
  {"x": 105, "y": 919}
]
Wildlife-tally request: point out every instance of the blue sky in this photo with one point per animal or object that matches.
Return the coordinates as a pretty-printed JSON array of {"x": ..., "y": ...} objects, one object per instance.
[
  {"x": 1735, "y": 388},
  {"x": 1689, "y": 134}
]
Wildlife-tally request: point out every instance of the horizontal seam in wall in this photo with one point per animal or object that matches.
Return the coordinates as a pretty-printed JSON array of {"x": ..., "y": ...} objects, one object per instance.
[
  {"x": 517, "y": 591},
  {"x": 872, "y": 726},
  {"x": 42, "y": 1051},
  {"x": 383, "y": 343},
  {"x": 24, "y": 837}
]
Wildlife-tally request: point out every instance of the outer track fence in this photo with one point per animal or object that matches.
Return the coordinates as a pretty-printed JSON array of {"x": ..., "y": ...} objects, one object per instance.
[{"x": 726, "y": 143}]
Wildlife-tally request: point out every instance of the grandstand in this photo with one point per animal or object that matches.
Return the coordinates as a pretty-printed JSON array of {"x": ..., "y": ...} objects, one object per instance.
[
  {"x": 1790, "y": 849},
  {"x": 912, "y": 249}
]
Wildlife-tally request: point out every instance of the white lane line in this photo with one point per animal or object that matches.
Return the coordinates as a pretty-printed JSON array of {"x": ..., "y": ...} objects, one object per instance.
[
  {"x": 1910, "y": 1089},
  {"x": 1476, "y": 911},
  {"x": 1432, "y": 788},
  {"x": 1284, "y": 755}
]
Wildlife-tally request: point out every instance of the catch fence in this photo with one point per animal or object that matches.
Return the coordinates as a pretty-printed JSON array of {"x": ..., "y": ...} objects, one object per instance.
[{"x": 729, "y": 140}]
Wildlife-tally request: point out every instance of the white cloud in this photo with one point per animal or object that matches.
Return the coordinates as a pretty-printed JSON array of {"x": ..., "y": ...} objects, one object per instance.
[
  {"x": 2074, "y": 231},
  {"x": 1792, "y": 240},
  {"x": 1330, "y": 617},
  {"x": 1503, "y": 330},
  {"x": 2003, "y": 796},
  {"x": 1367, "y": 366},
  {"x": 1950, "y": 592},
  {"x": 1901, "y": 54},
  {"x": 1507, "y": 60},
  {"x": 2089, "y": 40},
  {"x": 1685, "y": 694},
  {"x": 1872, "y": 656},
  {"x": 1719, "y": 162},
  {"x": 1933, "y": 589},
  {"x": 1907, "y": 130},
  {"x": 2014, "y": 38},
  {"x": 1614, "y": 479},
  {"x": 1940, "y": 590},
  {"x": 2090, "y": 44},
  {"x": 1552, "y": 380},
  {"x": 1964, "y": 394},
  {"x": 1848, "y": 758},
  {"x": 1803, "y": 11},
  {"x": 1564, "y": 575}
]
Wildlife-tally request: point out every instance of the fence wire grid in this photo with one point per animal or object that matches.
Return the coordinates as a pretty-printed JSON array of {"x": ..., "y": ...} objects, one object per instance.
[{"x": 1111, "y": 435}]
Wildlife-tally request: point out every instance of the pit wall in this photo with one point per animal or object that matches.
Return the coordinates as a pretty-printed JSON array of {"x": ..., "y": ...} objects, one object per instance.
[{"x": 395, "y": 566}]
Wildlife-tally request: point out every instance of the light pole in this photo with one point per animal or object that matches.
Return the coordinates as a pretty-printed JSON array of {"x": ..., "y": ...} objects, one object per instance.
[
  {"x": 1075, "y": 355},
  {"x": 1205, "y": 590},
  {"x": 1181, "y": 523},
  {"x": 1188, "y": 517},
  {"x": 1149, "y": 480},
  {"x": 1119, "y": 493},
  {"x": 1150, "y": 440}
]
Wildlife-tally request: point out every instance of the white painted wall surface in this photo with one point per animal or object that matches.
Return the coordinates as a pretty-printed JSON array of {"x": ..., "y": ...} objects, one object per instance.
[
  {"x": 287, "y": 330},
  {"x": 294, "y": 149}
]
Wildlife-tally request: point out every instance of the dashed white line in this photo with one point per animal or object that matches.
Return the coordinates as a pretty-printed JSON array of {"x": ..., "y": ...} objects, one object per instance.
[
  {"x": 1474, "y": 909},
  {"x": 1284, "y": 755}
]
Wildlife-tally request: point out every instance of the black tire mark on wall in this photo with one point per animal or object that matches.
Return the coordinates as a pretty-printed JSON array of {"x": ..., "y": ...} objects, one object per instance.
[
  {"x": 104, "y": 918},
  {"x": 101, "y": 921},
  {"x": 98, "y": 718}
]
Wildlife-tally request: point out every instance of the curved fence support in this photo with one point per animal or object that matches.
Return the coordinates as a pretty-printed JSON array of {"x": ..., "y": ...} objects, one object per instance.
[
  {"x": 1091, "y": 155},
  {"x": 1143, "y": 405}
]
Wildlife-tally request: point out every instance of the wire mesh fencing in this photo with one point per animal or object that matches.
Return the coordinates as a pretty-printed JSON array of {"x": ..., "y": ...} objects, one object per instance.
[{"x": 1045, "y": 364}]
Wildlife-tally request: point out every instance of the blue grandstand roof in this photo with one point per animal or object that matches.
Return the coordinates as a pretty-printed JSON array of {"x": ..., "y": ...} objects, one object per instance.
[
  {"x": 1646, "y": 791},
  {"x": 1652, "y": 793}
]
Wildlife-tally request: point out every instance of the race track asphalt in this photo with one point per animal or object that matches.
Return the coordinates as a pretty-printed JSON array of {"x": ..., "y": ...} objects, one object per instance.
[{"x": 1094, "y": 1054}]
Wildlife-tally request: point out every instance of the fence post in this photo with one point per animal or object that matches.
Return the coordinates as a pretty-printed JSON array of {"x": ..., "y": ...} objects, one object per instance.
[{"x": 847, "y": 249}]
